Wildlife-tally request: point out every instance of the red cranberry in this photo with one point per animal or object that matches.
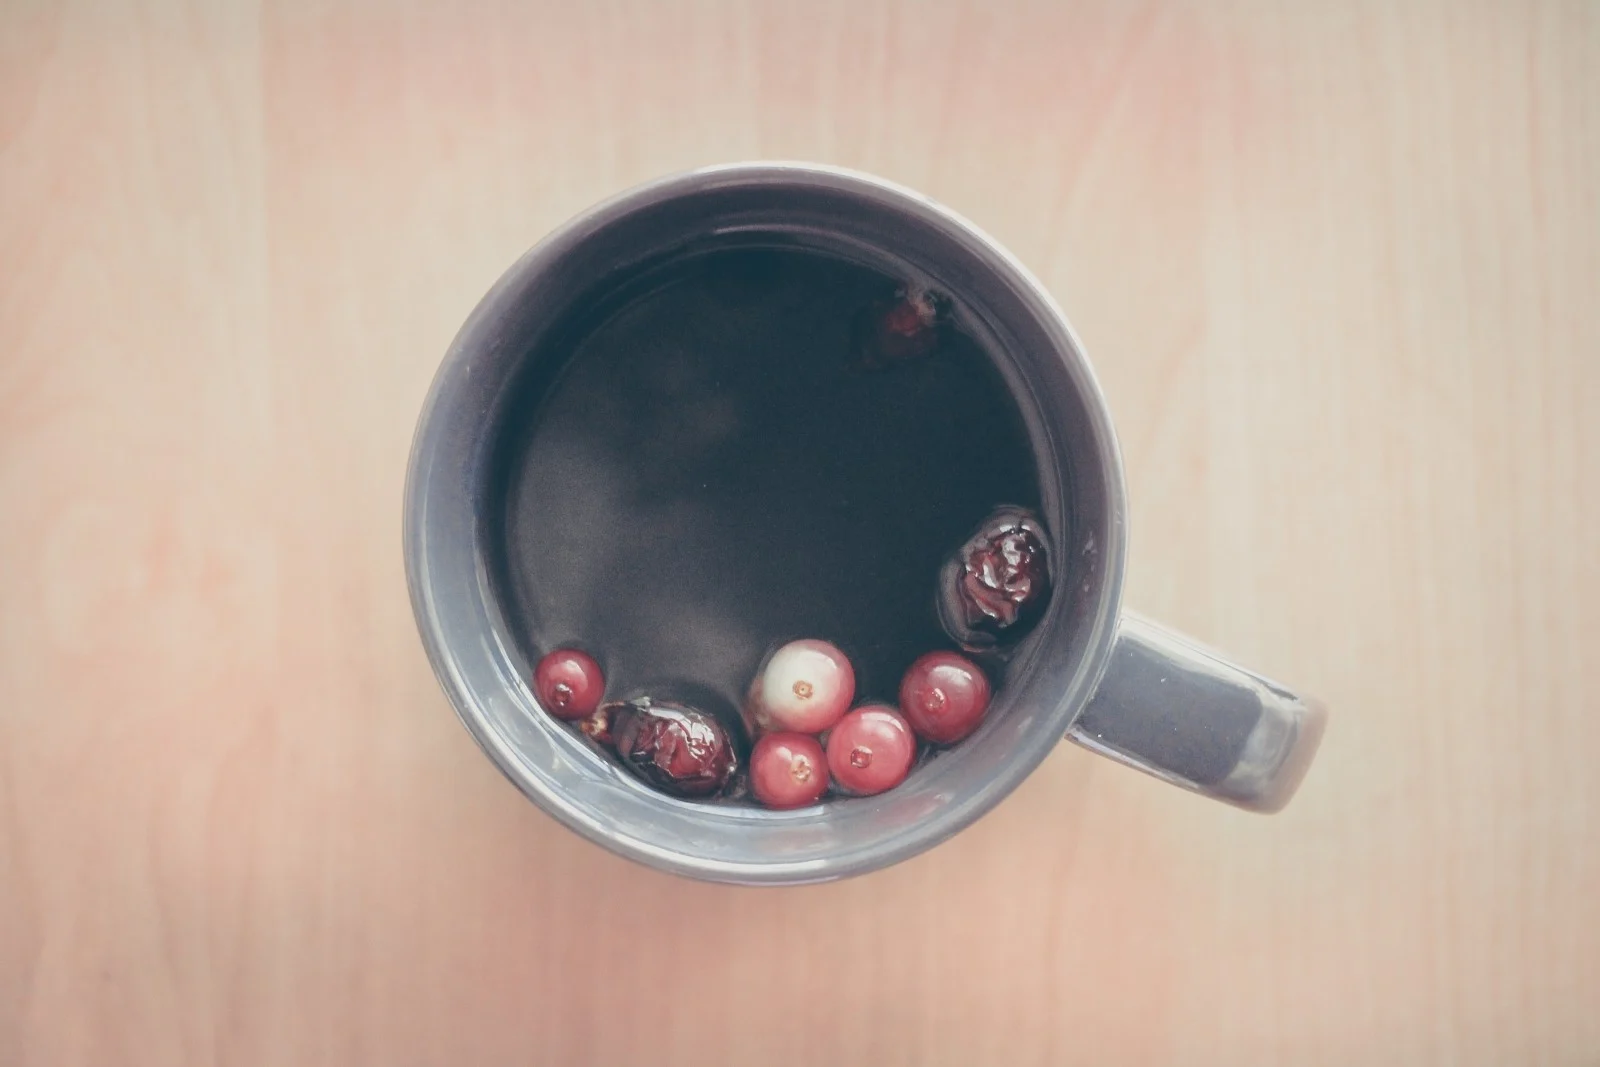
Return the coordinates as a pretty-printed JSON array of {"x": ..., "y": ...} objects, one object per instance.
[
  {"x": 676, "y": 748},
  {"x": 788, "y": 770},
  {"x": 805, "y": 686},
  {"x": 905, "y": 327},
  {"x": 944, "y": 697},
  {"x": 994, "y": 589},
  {"x": 569, "y": 683},
  {"x": 871, "y": 750}
]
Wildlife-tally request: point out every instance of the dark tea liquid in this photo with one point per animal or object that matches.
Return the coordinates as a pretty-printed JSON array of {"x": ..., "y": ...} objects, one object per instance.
[{"x": 709, "y": 475}]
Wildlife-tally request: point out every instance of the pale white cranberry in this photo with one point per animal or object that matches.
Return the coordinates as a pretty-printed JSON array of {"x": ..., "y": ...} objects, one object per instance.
[{"x": 806, "y": 686}]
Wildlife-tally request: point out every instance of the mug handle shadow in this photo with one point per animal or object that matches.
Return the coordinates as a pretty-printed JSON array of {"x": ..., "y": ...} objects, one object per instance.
[{"x": 1170, "y": 708}]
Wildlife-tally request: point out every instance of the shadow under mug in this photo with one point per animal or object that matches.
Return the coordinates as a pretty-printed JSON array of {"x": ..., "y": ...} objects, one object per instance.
[{"x": 1110, "y": 681}]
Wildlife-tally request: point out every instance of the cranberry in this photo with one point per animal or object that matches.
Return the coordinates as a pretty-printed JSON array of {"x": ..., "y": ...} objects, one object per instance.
[
  {"x": 788, "y": 770},
  {"x": 871, "y": 749},
  {"x": 569, "y": 683},
  {"x": 676, "y": 748},
  {"x": 944, "y": 697},
  {"x": 905, "y": 327},
  {"x": 805, "y": 686},
  {"x": 994, "y": 589}
]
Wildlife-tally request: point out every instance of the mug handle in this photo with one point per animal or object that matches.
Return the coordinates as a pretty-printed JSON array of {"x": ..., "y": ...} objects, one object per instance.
[{"x": 1170, "y": 708}]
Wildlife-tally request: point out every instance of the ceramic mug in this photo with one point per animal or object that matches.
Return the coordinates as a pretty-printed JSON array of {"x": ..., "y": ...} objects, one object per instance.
[{"x": 1090, "y": 671}]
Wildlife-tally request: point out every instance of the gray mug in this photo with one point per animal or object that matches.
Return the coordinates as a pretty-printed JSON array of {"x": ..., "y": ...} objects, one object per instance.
[{"x": 1090, "y": 671}]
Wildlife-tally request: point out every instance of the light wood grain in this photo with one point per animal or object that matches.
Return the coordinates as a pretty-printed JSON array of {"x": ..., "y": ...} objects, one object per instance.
[{"x": 1336, "y": 263}]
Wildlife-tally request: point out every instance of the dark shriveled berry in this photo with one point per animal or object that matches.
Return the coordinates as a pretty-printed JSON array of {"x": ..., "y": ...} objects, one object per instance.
[
  {"x": 676, "y": 748},
  {"x": 993, "y": 590},
  {"x": 907, "y": 326},
  {"x": 597, "y": 724}
]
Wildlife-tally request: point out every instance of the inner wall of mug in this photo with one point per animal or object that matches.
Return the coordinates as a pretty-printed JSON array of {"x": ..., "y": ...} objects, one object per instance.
[{"x": 450, "y": 512}]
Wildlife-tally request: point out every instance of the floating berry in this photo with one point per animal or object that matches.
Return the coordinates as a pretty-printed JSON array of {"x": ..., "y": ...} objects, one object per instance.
[
  {"x": 944, "y": 696},
  {"x": 569, "y": 683},
  {"x": 805, "y": 687},
  {"x": 904, "y": 327},
  {"x": 788, "y": 770},
  {"x": 995, "y": 587},
  {"x": 871, "y": 749},
  {"x": 676, "y": 748}
]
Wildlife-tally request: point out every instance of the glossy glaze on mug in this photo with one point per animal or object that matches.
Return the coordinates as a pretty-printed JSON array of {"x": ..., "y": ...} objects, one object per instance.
[{"x": 1168, "y": 707}]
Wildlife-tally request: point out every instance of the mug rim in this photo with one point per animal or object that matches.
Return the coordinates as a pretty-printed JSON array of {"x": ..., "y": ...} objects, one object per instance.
[{"x": 463, "y": 695}]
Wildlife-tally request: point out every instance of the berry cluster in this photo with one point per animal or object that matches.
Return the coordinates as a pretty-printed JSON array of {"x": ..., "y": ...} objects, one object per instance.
[{"x": 809, "y": 734}]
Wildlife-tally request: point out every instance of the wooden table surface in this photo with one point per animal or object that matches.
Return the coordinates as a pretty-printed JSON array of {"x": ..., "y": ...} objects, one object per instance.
[{"x": 1336, "y": 264}]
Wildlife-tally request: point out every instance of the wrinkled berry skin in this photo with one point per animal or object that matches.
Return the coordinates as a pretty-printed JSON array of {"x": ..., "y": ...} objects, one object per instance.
[
  {"x": 597, "y": 724},
  {"x": 907, "y": 326},
  {"x": 676, "y": 748},
  {"x": 994, "y": 589}
]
